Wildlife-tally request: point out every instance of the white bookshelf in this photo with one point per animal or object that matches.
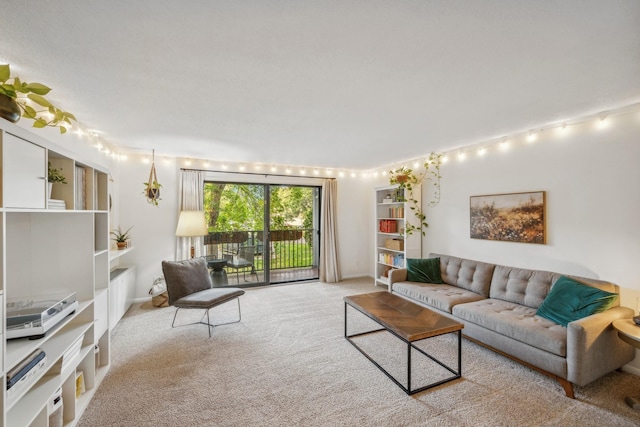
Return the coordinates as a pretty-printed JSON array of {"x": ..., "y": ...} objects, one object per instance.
[
  {"x": 392, "y": 245},
  {"x": 48, "y": 251}
]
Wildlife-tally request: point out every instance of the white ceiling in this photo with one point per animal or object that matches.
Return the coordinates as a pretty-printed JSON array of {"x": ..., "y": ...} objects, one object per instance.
[{"x": 345, "y": 83}]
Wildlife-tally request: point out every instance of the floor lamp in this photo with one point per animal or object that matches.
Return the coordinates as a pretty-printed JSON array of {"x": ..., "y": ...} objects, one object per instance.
[{"x": 191, "y": 224}]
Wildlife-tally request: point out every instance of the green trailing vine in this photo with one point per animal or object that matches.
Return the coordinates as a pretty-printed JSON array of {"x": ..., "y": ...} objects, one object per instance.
[
  {"x": 406, "y": 179},
  {"x": 29, "y": 96}
]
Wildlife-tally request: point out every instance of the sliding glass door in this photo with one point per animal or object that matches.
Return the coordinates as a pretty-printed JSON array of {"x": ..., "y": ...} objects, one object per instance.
[
  {"x": 293, "y": 234},
  {"x": 261, "y": 233}
]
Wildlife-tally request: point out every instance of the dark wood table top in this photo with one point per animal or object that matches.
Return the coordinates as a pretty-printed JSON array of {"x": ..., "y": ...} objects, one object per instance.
[{"x": 407, "y": 319}]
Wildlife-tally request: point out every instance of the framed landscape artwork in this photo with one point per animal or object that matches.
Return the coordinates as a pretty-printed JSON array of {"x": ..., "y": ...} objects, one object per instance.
[{"x": 514, "y": 217}]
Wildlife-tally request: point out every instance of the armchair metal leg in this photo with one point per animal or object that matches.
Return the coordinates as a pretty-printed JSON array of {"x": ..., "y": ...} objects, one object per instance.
[{"x": 208, "y": 322}]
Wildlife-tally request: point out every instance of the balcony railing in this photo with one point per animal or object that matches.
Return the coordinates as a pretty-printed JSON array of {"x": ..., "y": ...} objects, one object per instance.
[{"x": 288, "y": 249}]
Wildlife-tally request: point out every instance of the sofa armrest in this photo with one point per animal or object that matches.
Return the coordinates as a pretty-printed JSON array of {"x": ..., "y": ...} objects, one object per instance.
[
  {"x": 397, "y": 275},
  {"x": 594, "y": 348}
]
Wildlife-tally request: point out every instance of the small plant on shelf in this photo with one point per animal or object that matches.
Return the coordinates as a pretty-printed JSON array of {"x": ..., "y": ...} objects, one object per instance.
[
  {"x": 121, "y": 238},
  {"x": 405, "y": 178},
  {"x": 55, "y": 175}
]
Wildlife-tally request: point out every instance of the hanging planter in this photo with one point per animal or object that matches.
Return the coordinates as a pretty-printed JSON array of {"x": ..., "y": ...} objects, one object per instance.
[
  {"x": 405, "y": 178},
  {"x": 9, "y": 108},
  {"x": 22, "y": 99},
  {"x": 152, "y": 186}
]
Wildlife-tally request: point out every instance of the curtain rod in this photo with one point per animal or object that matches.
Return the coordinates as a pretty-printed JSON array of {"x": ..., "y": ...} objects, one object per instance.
[{"x": 258, "y": 174}]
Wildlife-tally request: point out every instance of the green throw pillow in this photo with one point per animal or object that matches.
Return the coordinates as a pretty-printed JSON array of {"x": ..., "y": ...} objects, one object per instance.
[
  {"x": 569, "y": 300},
  {"x": 424, "y": 270}
]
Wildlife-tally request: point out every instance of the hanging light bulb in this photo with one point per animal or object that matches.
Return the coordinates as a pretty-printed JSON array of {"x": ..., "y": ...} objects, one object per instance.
[{"x": 531, "y": 137}]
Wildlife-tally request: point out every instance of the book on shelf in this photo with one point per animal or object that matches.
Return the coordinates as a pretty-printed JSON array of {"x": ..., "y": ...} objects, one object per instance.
[
  {"x": 396, "y": 212},
  {"x": 395, "y": 260},
  {"x": 81, "y": 190},
  {"x": 388, "y": 226}
]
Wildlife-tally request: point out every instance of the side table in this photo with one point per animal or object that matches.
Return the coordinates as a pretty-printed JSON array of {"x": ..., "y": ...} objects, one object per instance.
[
  {"x": 629, "y": 332},
  {"x": 218, "y": 275}
]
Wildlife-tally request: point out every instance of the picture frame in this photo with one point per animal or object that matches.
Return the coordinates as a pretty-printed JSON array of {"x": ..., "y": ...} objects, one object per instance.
[{"x": 509, "y": 217}]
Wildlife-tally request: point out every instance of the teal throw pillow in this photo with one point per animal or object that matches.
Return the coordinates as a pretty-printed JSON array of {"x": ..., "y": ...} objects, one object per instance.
[
  {"x": 424, "y": 270},
  {"x": 570, "y": 300}
]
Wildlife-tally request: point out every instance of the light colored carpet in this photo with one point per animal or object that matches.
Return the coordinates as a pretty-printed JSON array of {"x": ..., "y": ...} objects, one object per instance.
[{"x": 288, "y": 364}]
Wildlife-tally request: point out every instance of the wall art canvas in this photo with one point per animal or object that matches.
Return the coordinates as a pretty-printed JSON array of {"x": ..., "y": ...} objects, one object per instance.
[{"x": 514, "y": 217}]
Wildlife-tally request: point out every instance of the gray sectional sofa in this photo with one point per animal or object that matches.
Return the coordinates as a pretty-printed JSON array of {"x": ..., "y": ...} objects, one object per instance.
[{"x": 498, "y": 304}]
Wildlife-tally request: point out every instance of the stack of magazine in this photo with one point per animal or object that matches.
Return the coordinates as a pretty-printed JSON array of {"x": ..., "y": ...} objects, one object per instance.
[{"x": 57, "y": 204}]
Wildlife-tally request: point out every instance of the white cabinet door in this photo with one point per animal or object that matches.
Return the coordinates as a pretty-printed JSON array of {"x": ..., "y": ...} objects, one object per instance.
[{"x": 24, "y": 176}]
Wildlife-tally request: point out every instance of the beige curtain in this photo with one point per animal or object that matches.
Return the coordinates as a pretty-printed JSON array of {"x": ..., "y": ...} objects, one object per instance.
[
  {"x": 191, "y": 198},
  {"x": 329, "y": 265}
]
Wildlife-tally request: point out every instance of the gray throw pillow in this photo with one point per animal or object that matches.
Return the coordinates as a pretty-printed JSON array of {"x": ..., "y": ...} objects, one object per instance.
[{"x": 185, "y": 277}]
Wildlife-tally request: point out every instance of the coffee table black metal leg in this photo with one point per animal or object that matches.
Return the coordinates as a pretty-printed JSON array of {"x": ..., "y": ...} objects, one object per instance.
[{"x": 409, "y": 367}]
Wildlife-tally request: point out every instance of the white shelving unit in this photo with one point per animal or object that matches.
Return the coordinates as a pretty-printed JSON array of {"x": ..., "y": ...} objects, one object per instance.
[
  {"x": 122, "y": 285},
  {"x": 393, "y": 247},
  {"x": 47, "y": 251}
]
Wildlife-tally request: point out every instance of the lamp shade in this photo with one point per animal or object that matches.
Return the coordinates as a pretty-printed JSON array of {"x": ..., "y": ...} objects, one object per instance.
[{"x": 191, "y": 224}]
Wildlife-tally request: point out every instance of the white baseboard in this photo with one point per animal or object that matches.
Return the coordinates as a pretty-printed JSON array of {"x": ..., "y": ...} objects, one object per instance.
[{"x": 631, "y": 369}]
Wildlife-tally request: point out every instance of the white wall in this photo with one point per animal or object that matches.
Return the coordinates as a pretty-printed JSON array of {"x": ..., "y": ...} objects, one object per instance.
[
  {"x": 153, "y": 235},
  {"x": 591, "y": 179}
]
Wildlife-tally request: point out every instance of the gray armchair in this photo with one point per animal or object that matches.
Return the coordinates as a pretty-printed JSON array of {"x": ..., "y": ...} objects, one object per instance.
[{"x": 189, "y": 286}]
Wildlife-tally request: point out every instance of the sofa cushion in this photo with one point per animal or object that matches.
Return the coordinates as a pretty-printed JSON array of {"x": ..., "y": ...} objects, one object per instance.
[
  {"x": 521, "y": 286},
  {"x": 471, "y": 275},
  {"x": 571, "y": 300},
  {"x": 517, "y": 322},
  {"x": 424, "y": 270},
  {"x": 442, "y": 297}
]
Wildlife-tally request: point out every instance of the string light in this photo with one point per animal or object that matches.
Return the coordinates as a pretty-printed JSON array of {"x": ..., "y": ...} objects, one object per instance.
[
  {"x": 531, "y": 137},
  {"x": 602, "y": 120}
]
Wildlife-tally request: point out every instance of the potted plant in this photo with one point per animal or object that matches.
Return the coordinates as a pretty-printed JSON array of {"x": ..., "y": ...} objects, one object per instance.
[
  {"x": 54, "y": 175},
  {"x": 18, "y": 98},
  {"x": 152, "y": 192},
  {"x": 405, "y": 178},
  {"x": 120, "y": 237}
]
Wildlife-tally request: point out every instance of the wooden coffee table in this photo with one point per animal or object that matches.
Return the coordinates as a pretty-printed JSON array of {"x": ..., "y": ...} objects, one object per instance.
[{"x": 407, "y": 321}]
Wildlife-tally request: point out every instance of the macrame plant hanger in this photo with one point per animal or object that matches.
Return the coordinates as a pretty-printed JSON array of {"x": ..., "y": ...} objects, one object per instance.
[{"x": 153, "y": 186}]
